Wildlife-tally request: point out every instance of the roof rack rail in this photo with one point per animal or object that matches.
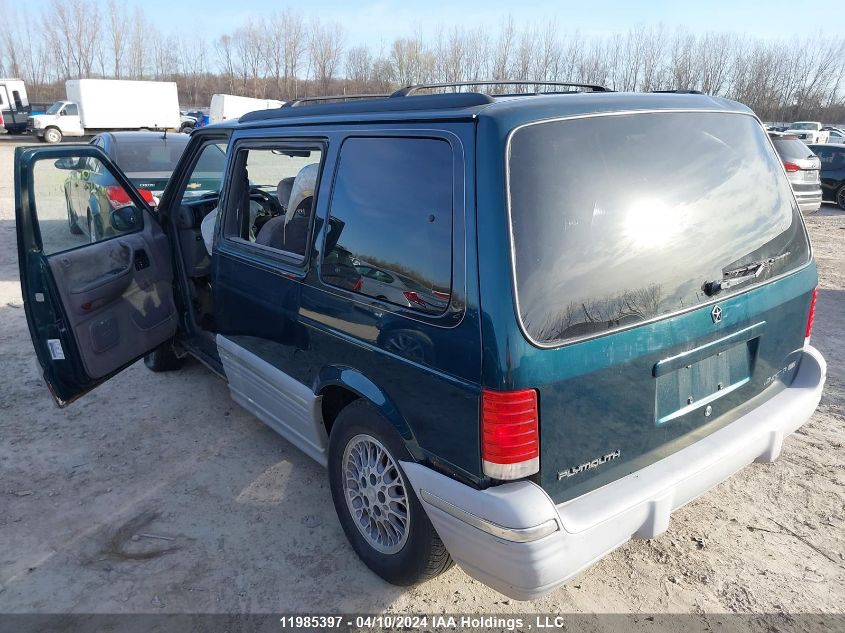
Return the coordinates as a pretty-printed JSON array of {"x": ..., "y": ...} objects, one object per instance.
[
  {"x": 679, "y": 91},
  {"x": 443, "y": 101},
  {"x": 298, "y": 102},
  {"x": 409, "y": 90}
]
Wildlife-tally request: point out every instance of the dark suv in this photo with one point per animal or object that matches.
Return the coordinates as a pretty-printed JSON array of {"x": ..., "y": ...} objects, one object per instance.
[{"x": 603, "y": 309}]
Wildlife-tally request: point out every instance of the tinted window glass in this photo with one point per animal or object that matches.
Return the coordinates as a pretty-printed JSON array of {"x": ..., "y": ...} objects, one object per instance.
[
  {"x": 71, "y": 110},
  {"x": 154, "y": 155},
  {"x": 791, "y": 149},
  {"x": 829, "y": 156},
  {"x": 620, "y": 219},
  {"x": 391, "y": 222}
]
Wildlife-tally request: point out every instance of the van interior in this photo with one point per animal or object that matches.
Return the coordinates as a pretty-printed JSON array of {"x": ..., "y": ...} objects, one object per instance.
[{"x": 271, "y": 210}]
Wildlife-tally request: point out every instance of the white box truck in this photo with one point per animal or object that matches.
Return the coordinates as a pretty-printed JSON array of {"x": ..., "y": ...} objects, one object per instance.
[
  {"x": 105, "y": 105},
  {"x": 225, "y": 107}
]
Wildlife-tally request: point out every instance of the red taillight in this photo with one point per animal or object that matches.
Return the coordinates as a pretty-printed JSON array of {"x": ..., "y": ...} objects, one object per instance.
[
  {"x": 811, "y": 315},
  {"x": 357, "y": 285},
  {"x": 510, "y": 433},
  {"x": 148, "y": 196},
  {"x": 119, "y": 198},
  {"x": 790, "y": 167},
  {"x": 413, "y": 297}
]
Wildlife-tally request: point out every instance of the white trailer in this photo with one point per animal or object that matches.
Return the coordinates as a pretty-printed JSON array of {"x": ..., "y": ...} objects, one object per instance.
[
  {"x": 225, "y": 107},
  {"x": 105, "y": 105}
]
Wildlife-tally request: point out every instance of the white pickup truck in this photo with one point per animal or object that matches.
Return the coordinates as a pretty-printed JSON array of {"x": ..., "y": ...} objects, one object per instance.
[
  {"x": 809, "y": 131},
  {"x": 98, "y": 105}
]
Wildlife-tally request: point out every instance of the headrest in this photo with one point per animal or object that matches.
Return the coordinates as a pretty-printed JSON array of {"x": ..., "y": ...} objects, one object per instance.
[
  {"x": 303, "y": 187},
  {"x": 283, "y": 190}
]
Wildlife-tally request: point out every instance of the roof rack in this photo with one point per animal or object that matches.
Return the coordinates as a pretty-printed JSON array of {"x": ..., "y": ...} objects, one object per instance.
[
  {"x": 409, "y": 90},
  {"x": 679, "y": 91},
  {"x": 451, "y": 101},
  {"x": 332, "y": 98}
]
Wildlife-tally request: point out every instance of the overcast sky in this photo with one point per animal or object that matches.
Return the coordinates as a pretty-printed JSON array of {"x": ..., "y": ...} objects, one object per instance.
[{"x": 375, "y": 21}]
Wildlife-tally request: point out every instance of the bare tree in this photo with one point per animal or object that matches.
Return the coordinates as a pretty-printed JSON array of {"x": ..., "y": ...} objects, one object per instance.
[
  {"x": 118, "y": 36},
  {"x": 226, "y": 61},
  {"x": 285, "y": 54},
  {"x": 138, "y": 48},
  {"x": 325, "y": 49},
  {"x": 249, "y": 58},
  {"x": 359, "y": 68}
]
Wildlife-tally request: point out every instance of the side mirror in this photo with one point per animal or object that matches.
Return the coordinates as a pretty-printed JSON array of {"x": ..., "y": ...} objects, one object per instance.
[
  {"x": 125, "y": 218},
  {"x": 68, "y": 163}
]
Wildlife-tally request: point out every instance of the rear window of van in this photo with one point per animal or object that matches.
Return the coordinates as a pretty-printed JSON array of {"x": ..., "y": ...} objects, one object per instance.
[{"x": 620, "y": 219}]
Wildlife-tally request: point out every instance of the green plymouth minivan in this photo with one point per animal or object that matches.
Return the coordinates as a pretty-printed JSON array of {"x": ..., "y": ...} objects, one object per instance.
[{"x": 599, "y": 307}]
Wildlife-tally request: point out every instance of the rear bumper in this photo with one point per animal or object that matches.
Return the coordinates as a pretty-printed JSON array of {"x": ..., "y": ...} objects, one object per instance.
[
  {"x": 809, "y": 201},
  {"x": 514, "y": 538}
]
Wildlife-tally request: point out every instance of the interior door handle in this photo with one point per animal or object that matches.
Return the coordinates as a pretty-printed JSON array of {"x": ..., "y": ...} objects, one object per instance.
[{"x": 115, "y": 276}]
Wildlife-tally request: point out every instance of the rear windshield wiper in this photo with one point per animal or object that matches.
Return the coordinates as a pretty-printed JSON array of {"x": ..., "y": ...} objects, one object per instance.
[{"x": 737, "y": 276}]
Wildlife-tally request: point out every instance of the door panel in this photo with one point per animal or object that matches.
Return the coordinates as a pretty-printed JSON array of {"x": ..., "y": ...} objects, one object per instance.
[
  {"x": 116, "y": 307},
  {"x": 97, "y": 299}
]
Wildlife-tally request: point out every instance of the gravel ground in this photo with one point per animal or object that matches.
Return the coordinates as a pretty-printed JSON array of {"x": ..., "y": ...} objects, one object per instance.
[{"x": 250, "y": 526}]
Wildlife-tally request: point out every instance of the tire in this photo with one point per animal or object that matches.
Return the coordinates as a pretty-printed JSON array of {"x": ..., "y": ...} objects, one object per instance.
[
  {"x": 53, "y": 135},
  {"x": 413, "y": 552},
  {"x": 95, "y": 228},
  {"x": 840, "y": 197},
  {"x": 72, "y": 223},
  {"x": 186, "y": 129},
  {"x": 163, "y": 358}
]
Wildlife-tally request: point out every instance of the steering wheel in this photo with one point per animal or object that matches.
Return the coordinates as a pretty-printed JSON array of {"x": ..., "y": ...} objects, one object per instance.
[
  {"x": 270, "y": 208},
  {"x": 269, "y": 201}
]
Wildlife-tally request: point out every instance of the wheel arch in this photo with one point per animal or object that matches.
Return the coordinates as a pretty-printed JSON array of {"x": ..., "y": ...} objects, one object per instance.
[{"x": 338, "y": 386}]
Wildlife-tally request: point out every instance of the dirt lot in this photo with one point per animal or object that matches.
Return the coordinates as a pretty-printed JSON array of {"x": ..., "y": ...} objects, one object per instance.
[{"x": 250, "y": 526}]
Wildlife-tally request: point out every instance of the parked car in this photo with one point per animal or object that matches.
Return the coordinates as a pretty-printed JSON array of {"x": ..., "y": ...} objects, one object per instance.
[
  {"x": 187, "y": 123},
  {"x": 837, "y": 135},
  {"x": 832, "y": 159},
  {"x": 193, "y": 119},
  {"x": 623, "y": 325},
  {"x": 397, "y": 288},
  {"x": 146, "y": 158},
  {"x": 809, "y": 131},
  {"x": 802, "y": 169},
  {"x": 14, "y": 106}
]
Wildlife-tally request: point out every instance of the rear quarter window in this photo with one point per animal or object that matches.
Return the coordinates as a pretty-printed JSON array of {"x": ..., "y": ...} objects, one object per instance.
[
  {"x": 617, "y": 220},
  {"x": 390, "y": 233}
]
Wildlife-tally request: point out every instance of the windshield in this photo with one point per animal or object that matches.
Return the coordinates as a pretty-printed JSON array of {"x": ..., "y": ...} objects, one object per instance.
[
  {"x": 803, "y": 126},
  {"x": 54, "y": 109},
  {"x": 152, "y": 155},
  {"x": 620, "y": 219}
]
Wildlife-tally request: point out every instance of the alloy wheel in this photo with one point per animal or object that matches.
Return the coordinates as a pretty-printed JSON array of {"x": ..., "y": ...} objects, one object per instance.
[{"x": 376, "y": 494}]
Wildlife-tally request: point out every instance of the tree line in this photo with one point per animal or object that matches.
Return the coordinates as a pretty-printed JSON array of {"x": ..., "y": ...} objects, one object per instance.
[{"x": 287, "y": 54}]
